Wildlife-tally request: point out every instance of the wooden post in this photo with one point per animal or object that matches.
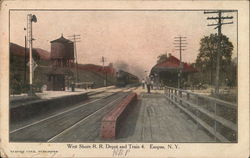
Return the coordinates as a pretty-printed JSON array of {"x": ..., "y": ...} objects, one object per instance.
[
  {"x": 175, "y": 92},
  {"x": 215, "y": 122},
  {"x": 196, "y": 111},
  {"x": 180, "y": 97},
  {"x": 187, "y": 105},
  {"x": 172, "y": 94}
]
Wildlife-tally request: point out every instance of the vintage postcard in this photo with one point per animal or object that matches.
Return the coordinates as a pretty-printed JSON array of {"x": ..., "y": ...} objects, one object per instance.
[{"x": 124, "y": 79}]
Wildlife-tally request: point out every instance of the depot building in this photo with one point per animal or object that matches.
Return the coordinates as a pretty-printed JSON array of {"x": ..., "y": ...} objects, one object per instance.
[{"x": 168, "y": 71}]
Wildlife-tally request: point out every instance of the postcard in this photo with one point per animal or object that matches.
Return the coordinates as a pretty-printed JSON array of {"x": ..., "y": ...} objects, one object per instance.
[{"x": 124, "y": 78}]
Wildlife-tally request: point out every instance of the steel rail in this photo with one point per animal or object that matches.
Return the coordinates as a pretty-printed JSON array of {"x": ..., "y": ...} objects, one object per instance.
[
  {"x": 63, "y": 112},
  {"x": 85, "y": 118}
]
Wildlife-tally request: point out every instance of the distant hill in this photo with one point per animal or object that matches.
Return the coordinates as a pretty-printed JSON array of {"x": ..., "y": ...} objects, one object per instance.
[
  {"x": 18, "y": 50},
  {"x": 97, "y": 68},
  {"x": 45, "y": 55}
]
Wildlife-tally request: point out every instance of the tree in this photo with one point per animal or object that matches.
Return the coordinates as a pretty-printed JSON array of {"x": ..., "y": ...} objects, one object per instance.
[
  {"x": 206, "y": 59},
  {"x": 161, "y": 58}
]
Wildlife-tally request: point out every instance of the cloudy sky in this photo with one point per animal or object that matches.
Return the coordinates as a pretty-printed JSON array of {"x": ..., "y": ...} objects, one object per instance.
[{"x": 132, "y": 37}]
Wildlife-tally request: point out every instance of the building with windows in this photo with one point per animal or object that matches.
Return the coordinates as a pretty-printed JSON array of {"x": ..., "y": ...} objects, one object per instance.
[{"x": 167, "y": 72}]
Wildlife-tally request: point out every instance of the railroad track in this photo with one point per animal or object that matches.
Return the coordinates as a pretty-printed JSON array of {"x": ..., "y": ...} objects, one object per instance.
[{"x": 52, "y": 127}]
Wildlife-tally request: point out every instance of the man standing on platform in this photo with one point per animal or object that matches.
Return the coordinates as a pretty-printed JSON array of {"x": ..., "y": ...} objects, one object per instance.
[
  {"x": 148, "y": 83},
  {"x": 143, "y": 83}
]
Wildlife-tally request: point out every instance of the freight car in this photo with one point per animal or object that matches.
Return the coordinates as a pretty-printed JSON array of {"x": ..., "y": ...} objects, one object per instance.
[{"x": 124, "y": 78}]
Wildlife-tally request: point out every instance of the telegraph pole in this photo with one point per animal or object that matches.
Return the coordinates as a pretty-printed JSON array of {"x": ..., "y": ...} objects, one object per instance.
[
  {"x": 76, "y": 38},
  {"x": 103, "y": 60},
  {"x": 30, "y": 18},
  {"x": 180, "y": 44},
  {"x": 25, "y": 57},
  {"x": 219, "y": 18}
]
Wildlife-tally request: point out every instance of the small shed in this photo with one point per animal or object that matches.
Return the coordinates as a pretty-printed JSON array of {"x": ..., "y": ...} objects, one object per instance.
[{"x": 56, "y": 80}]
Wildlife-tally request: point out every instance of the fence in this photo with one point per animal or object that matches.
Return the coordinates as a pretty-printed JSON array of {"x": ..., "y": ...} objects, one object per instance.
[
  {"x": 217, "y": 117},
  {"x": 85, "y": 85}
]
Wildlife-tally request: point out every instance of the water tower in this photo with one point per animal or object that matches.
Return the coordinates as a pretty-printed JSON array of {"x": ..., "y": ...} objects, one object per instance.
[
  {"x": 62, "y": 59},
  {"x": 62, "y": 52}
]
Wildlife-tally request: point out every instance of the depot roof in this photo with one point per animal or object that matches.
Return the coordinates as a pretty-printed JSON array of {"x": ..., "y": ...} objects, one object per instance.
[{"x": 173, "y": 64}]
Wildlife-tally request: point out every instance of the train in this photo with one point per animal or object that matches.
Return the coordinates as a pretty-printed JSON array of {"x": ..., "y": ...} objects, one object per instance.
[{"x": 124, "y": 78}]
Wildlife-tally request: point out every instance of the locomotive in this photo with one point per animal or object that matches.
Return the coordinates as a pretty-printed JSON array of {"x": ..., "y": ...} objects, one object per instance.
[{"x": 124, "y": 78}]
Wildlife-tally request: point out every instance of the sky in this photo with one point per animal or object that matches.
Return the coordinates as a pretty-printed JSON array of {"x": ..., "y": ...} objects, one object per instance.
[{"x": 131, "y": 38}]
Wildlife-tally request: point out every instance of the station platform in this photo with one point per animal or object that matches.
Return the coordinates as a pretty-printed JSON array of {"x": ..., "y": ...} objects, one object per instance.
[
  {"x": 20, "y": 99},
  {"x": 154, "y": 119}
]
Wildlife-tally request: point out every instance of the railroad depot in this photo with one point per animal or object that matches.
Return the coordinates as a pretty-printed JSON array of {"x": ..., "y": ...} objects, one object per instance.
[{"x": 168, "y": 71}]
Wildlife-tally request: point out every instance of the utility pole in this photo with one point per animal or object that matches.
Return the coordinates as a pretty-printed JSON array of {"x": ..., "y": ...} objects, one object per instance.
[
  {"x": 103, "y": 60},
  {"x": 76, "y": 38},
  {"x": 25, "y": 57},
  {"x": 30, "y": 18},
  {"x": 180, "y": 44},
  {"x": 219, "y": 19}
]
